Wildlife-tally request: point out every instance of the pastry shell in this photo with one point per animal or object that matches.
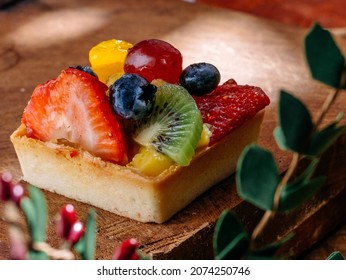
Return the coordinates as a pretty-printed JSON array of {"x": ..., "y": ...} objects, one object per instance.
[{"x": 75, "y": 173}]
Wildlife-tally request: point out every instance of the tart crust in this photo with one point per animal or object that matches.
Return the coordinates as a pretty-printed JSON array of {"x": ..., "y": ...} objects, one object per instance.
[{"x": 75, "y": 173}]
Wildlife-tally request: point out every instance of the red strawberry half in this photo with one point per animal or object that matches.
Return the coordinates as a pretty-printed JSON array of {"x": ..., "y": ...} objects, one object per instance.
[
  {"x": 74, "y": 106},
  {"x": 229, "y": 106}
]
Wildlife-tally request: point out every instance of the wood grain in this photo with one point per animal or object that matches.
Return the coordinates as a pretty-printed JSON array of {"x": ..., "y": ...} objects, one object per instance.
[{"x": 40, "y": 38}]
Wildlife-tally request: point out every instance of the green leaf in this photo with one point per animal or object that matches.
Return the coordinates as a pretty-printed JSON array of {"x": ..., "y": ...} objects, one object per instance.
[
  {"x": 230, "y": 241},
  {"x": 142, "y": 256},
  {"x": 268, "y": 252},
  {"x": 257, "y": 177},
  {"x": 295, "y": 124},
  {"x": 28, "y": 208},
  {"x": 336, "y": 256},
  {"x": 323, "y": 139},
  {"x": 80, "y": 247},
  {"x": 295, "y": 193},
  {"x": 324, "y": 58},
  {"x": 86, "y": 245},
  {"x": 39, "y": 203},
  {"x": 35, "y": 212}
]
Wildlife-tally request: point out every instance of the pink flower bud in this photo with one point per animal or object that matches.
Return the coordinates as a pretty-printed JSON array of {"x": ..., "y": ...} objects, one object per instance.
[
  {"x": 17, "y": 193},
  {"x": 126, "y": 250},
  {"x": 67, "y": 217},
  {"x": 76, "y": 232},
  {"x": 5, "y": 185}
]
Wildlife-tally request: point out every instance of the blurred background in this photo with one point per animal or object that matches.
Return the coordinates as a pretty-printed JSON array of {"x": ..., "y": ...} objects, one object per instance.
[{"x": 330, "y": 13}]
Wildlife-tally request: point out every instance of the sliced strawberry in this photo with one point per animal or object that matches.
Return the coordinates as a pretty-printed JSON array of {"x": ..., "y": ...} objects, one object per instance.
[
  {"x": 74, "y": 106},
  {"x": 229, "y": 106}
]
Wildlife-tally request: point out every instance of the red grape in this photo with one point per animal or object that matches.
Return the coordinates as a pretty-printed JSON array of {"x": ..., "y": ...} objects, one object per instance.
[{"x": 154, "y": 59}]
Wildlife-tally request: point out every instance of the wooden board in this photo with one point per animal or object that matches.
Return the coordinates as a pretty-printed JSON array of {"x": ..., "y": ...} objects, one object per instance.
[{"x": 40, "y": 38}]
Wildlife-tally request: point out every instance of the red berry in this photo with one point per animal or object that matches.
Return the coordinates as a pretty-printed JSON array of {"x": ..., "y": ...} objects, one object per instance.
[
  {"x": 76, "y": 232},
  {"x": 229, "y": 106},
  {"x": 5, "y": 185},
  {"x": 126, "y": 250},
  {"x": 67, "y": 217},
  {"x": 154, "y": 59}
]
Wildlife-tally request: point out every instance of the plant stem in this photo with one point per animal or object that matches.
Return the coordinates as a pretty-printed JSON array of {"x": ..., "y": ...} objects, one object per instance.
[
  {"x": 261, "y": 225},
  {"x": 268, "y": 215},
  {"x": 326, "y": 105},
  {"x": 330, "y": 99},
  {"x": 289, "y": 173}
]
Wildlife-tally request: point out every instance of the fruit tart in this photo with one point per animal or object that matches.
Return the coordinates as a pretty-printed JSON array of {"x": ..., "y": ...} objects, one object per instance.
[{"x": 134, "y": 133}]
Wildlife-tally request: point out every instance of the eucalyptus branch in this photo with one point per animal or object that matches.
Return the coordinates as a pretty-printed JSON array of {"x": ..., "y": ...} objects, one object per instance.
[
  {"x": 268, "y": 215},
  {"x": 288, "y": 175},
  {"x": 330, "y": 99},
  {"x": 326, "y": 105}
]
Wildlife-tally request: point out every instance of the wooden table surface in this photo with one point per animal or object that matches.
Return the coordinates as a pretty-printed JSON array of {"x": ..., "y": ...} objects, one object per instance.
[{"x": 39, "y": 38}]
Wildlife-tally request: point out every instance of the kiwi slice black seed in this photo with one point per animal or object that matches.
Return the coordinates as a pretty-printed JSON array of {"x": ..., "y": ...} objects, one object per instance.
[{"x": 175, "y": 126}]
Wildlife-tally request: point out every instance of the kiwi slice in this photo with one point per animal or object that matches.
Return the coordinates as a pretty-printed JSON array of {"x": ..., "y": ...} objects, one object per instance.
[{"x": 175, "y": 125}]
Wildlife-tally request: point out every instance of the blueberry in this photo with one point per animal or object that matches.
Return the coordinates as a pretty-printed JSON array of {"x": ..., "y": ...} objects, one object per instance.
[
  {"x": 85, "y": 69},
  {"x": 200, "y": 78},
  {"x": 132, "y": 97}
]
